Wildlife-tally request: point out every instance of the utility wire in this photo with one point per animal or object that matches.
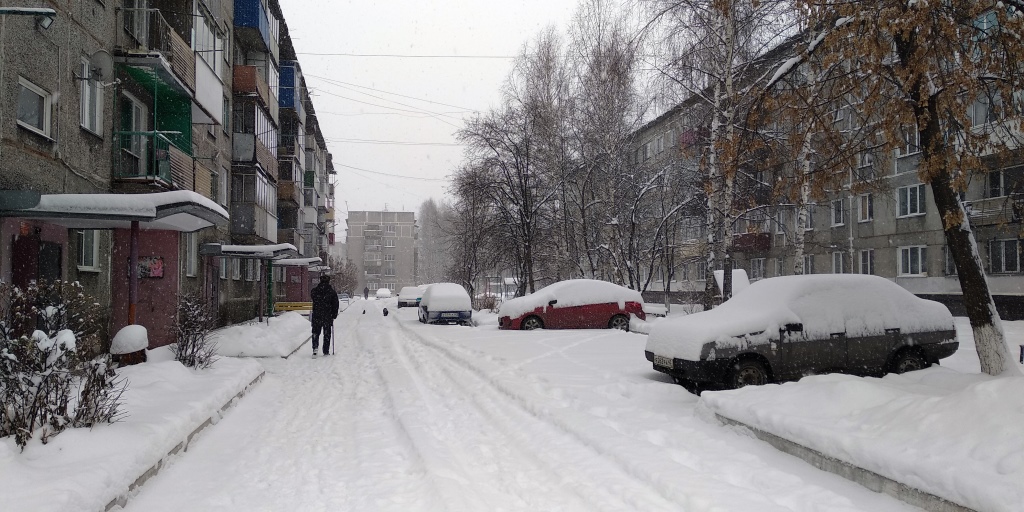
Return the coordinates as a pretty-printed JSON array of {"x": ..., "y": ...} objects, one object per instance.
[
  {"x": 406, "y": 56},
  {"x": 343, "y": 85},
  {"x": 389, "y": 175},
  {"x": 435, "y": 115},
  {"x": 392, "y": 142}
]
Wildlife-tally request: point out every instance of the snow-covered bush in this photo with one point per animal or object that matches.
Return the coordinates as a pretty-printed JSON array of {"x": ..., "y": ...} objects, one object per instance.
[
  {"x": 192, "y": 328},
  {"x": 47, "y": 381}
]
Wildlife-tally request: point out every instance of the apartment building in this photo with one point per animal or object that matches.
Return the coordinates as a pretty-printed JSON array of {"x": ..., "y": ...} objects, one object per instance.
[
  {"x": 164, "y": 113},
  {"x": 382, "y": 245}
]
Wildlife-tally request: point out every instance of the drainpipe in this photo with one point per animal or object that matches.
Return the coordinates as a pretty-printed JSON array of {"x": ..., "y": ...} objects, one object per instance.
[
  {"x": 133, "y": 273},
  {"x": 270, "y": 289}
]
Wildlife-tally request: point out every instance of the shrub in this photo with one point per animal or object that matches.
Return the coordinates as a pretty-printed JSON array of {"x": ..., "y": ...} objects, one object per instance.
[
  {"x": 191, "y": 329},
  {"x": 47, "y": 382}
]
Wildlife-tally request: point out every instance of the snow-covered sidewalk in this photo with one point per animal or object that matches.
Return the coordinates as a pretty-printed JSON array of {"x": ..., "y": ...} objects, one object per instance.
[
  {"x": 277, "y": 336},
  {"x": 949, "y": 433},
  {"x": 86, "y": 469}
]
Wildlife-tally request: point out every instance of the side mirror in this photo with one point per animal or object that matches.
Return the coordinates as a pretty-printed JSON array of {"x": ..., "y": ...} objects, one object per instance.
[{"x": 552, "y": 302}]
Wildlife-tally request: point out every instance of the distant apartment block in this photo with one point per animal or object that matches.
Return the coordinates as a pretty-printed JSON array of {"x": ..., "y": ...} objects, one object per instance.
[{"x": 382, "y": 246}]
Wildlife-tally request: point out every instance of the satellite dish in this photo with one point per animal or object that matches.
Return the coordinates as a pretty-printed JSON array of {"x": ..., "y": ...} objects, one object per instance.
[{"x": 101, "y": 66}]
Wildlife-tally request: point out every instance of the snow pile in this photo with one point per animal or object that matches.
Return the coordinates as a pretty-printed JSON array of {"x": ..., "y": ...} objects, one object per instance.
[
  {"x": 84, "y": 469},
  {"x": 573, "y": 292},
  {"x": 859, "y": 305},
  {"x": 954, "y": 435},
  {"x": 740, "y": 281},
  {"x": 279, "y": 337},
  {"x": 446, "y": 297},
  {"x": 131, "y": 338}
]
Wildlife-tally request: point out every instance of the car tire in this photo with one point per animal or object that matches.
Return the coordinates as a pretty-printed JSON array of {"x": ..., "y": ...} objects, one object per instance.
[
  {"x": 748, "y": 372},
  {"x": 620, "y": 322},
  {"x": 908, "y": 360},
  {"x": 530, "y": 323}
]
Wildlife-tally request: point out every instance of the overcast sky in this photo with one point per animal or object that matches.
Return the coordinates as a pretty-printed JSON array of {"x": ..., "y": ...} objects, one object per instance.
[{"x": 389, "y": 117}]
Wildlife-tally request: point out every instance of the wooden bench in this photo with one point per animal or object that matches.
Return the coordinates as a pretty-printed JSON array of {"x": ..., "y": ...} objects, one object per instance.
[{"x": 293, "y": 306}]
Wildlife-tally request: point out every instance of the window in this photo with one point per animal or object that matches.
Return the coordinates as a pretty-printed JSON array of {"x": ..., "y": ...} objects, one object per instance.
[
  {"x": 135, "y": 118},
  {"x": 389, "y": 257},
  {"x": 780, "y": 267},
  {"x": 34, "y": 108},
  {"x": 757, "y": 268},
  {"x": 912, "y": 261},
  {"x": 911, "y": 142},
  {"x": 996, "y": 184},
  {"x": 950, "y": 264},
  {"x": 808, "y": 264},
  {"x": 236, "y": 269},
  {"x": 702, "y": 270},
  {"x": 390, "y": 229},
  {"x": 865, "y": 208},
  {"x": 810, "y": 216},
  {"x": 136, "y": 20},
  {"x": 223, "y": 268},
  {"x": 837, "y": 213},
  {"x": 867, "y": 261},
  {"x": 838, "y": 262},
  {"x": 258, "y": 267},
  {"x": 780, "y": 222},
  {"x": 865, "y": 159},
  {"x": 1004, "y": 256},
  {"x": 389, "y": 242},
  {"x": 88, "y": 249},
  {"x": 226, "y": 115},
  {"x": 91, "y": 100},
  {"x": 911, "y": 200},
  {"x": 191, "y": 254}
]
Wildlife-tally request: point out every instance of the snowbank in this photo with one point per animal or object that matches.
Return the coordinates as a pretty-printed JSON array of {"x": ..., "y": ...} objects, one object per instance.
[
  {"x": 947, "y": 433},
  {"x": 84, "y": 469},
  {"x": 446, "y": 297},
  {"x": 859, "y": 305},
  {"x": 573, "y": 292},
  {"x": 277, "y": 339}
]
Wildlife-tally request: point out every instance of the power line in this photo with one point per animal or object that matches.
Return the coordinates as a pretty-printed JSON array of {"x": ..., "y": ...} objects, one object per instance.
[
  {"x": 388, "y": 174},
  {"x": 392, "y": 142},
  {"x": 343, "y": 85},
  {"x": 401, "y": 56},
  {"x": 435, "y": 115}
]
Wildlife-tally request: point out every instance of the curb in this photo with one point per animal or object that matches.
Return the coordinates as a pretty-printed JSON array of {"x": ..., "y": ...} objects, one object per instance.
[
  {"x": 122, "y": 499},
  {"x": 300, "y": 345},
  {"x": 864, "y": 477}
]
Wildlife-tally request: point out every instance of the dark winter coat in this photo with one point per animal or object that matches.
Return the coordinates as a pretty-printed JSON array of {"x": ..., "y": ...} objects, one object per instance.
[{"x": 325, "y": 303}]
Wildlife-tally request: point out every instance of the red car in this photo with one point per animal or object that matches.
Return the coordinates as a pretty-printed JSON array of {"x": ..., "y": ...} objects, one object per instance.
[{"x": 573, "y": 304}]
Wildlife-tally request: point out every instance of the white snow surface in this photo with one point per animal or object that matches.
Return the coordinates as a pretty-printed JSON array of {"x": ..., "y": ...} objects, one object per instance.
[
  {"x": 84, "y": 469},
  {"x": 131, "y": 338},
  {"x": 258, "y": 250},
  {"x": 740, "y": 281},
  {"x": 410, "y": 417},
  {"x": 446, "y": 297},
  {"x": 274, "y": 337},
  {"x": 572, "y": 292},
  {"x": 860, "y": 305},
  {"x": 383, "y": 293},
  {"x": 410, "y": 293}
]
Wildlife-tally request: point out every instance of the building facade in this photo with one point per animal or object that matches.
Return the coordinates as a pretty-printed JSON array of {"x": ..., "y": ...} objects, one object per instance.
[{"x": 382, "y": 245}]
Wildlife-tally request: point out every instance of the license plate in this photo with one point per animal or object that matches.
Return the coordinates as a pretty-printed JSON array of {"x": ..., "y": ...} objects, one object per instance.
[
  {"x": 449, "y": 315},
  {"x": 663, "y": 361}
]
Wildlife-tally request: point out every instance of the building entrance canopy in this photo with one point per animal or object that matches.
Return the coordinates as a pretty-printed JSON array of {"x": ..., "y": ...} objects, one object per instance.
[
  {"x": 179, "y": 210},
  {"x": 253, "y": 252}
]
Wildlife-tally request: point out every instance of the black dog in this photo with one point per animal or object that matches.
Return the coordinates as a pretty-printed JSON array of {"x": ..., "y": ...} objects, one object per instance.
[{"x": 385, "y": 311}]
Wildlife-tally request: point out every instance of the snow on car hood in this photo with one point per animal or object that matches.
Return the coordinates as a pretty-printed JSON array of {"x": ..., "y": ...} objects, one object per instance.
[
  {"x": 574, "y": 292},
  {"x": 446, "y": 297},
  {"x": 410, "y": 293},
  {"x": 859, "y": 305}
]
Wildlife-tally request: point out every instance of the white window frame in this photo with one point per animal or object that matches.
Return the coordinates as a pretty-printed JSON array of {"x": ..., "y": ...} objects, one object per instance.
[
  {"x": 88, "y": 244},
  {"x": 865, "y": 208},
  {"x": 808, "y": 264},
  {"x": 809, "y": 208},
  {"x": 1003, "y": 268},
  {"x": 780, "y": 267},
  {"x": 911, "y": 142},
  {"x": 250, "y": 274},
  {"x": 908, "y": 256},
  {"x": 839, "y": 262},
  {"x": 47, "y": 112},
  {"x": 90, "y": 101},
  {"x": 389, "y": 242},
  {"x": 913, "y": 208},
  {"x": 949, "y": 264},
  {"x": 757, "y": 268},
  {"x": 867, "y": 261},
  {"x": 259, "y": 270},
  {"x": 191, "y": 254},
  {"x": 838, "y": 212},
  {"x": 236, "y": 269},
  {"x": 223, "y": 267}
]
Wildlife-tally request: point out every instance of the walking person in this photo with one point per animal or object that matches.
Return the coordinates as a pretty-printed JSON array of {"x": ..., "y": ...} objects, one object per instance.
[
  {"x": 366, "y": 293},
  {"x": 325, "y": 310}
]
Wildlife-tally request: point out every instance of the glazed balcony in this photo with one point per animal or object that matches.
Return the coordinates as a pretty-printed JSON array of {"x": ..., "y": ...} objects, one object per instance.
[
  {"x": 996, "y": 210},
  {"x": 289, "y": 194},
  {"x": 145, "y": 42},
  {"x": 748, "y": 242},
  {"x": 151, "y": 156},
  {"x": 247, "y": 149}
]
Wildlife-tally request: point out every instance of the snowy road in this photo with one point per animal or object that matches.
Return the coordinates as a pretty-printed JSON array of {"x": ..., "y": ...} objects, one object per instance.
[{"x": 433, "y": 418}]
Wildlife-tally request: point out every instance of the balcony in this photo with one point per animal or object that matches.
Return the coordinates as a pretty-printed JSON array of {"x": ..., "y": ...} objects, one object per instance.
[
  {"x": 329, "y": 216},
  {"x": 252, "y": 25},
  {"x": 246, "y": 148},
  {"x": 748, "y": 242},
  {"x": 253, "y": 224},
  {"x": 147, "y": 44},
  {"x": 291, "y": 89},
  {"x": 248, "y": 80},
  {"x": 291, "y": 236},
  {"x": 996, "y": 210},
  {"x": 289, "y": 194},
  {"x": 151, "y": 156}
]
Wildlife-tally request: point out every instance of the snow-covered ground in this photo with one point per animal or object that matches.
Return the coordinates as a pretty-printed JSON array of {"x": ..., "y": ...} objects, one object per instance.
[
  {"x": 274, "y": 337},
  {"x": 414, "y": 417}
]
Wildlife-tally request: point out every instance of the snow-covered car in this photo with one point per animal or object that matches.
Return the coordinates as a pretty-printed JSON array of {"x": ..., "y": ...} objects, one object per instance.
[
  {"x": 445, "y": 303},
  {"x": 383, "y": 293},
  {"x": 409, "y": 296},
  {"x": 573, "y": 304},
  {"x": 787, "y": 327}
]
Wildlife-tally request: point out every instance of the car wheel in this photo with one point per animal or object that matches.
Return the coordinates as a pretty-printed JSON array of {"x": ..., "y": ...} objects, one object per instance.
[
  {"x": 531, "y": 322},
  {"x": 620, "y": 322},
  {"x": 908, "y": 360},
  {"x": 748, "y": 372}
]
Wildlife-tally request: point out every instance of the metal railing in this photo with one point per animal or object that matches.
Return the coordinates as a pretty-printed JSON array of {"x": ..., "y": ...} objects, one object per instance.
[
  {"x": 144, "y": 154},
  {"x": 144, "y": 31}
]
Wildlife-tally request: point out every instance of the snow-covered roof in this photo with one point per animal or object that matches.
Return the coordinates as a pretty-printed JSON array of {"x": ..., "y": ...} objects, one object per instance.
[
  {"x": 297, "y": 262},
  {"x": 446, "y": 297},
  {"x": 273, "y": 251},
  {"x": 859, "y": 305},
  {"x": 410, "y": 292},
  {"x": 179, "y": 210},
  {"x": 572, "y": 292}
]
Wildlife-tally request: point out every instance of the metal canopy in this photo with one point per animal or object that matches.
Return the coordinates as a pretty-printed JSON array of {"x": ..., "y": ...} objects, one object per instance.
[
  {"x": 252, "y": 252},
  {"x": 180, "y": 210}
]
